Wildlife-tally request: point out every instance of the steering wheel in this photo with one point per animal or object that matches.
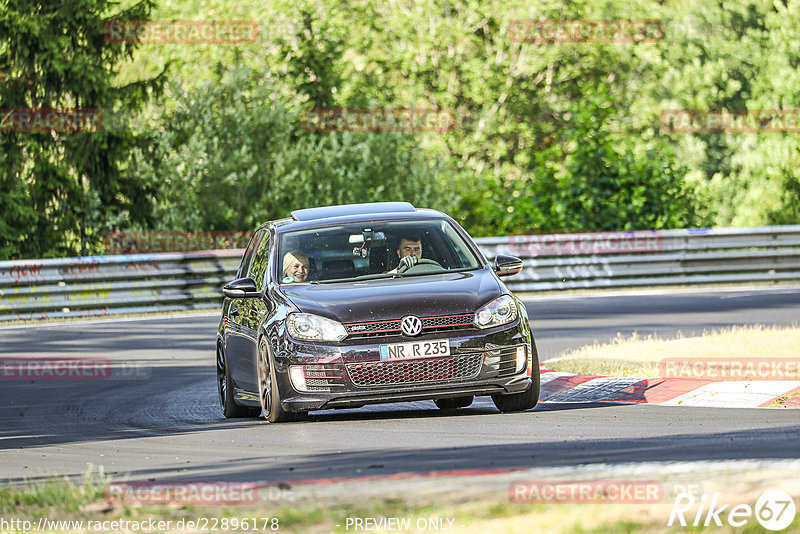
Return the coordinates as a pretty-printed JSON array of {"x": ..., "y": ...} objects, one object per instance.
[{"x": 402, "y": 268}]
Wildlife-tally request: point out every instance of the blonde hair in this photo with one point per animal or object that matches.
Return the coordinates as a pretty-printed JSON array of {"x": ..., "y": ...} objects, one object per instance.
[{"x": 292, "y": 256}]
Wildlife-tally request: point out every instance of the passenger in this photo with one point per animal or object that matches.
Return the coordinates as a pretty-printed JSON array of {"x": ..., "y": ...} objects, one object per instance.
[{"x": 295, "y": 267}]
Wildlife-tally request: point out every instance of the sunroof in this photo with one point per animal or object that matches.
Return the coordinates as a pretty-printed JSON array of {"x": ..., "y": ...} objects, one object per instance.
[{"x": 311, "y": 214}]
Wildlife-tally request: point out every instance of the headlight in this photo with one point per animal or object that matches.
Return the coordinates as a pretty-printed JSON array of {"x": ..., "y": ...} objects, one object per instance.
[
  {"x": 310, "y": 327},
  {"x": 501, "y": 310}
]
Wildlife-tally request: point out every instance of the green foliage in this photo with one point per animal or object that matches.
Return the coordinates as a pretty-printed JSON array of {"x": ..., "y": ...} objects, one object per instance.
[
  {"x": 59, "y": 188},
  {"x": 788, "y": 211},
  {"x": 233, "y": 155},
  {"x": 313, "y": 58},
  {"x": 551, "y": 137},
  {"x": 597, "y": 181},
  {"x": 734, "y": 55}
]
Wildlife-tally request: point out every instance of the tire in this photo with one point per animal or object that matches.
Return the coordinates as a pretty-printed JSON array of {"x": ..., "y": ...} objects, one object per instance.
[
  {"x": 520, "y": 401},
  {"x": 452, "y": 404},
  {"x": 268, "y": 392},
  {"x": 226, "y": 399}
]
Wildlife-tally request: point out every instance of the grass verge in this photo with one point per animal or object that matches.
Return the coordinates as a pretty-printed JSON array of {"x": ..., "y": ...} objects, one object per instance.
[
  {"x": 637, "y": 356},
  {"x": 65, "y": 500}
]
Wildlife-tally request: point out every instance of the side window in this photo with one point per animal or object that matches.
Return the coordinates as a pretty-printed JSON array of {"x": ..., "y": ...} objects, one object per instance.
[
  {"x": 259, "y": 266},
  {"x": 248, "y": 255}
]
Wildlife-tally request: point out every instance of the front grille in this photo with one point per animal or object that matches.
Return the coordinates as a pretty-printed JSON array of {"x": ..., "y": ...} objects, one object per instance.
[
  {"x": 376, "y": 328},
  {"x": 428, "y": 370},
  {"x": 433, "y": 323},
  {"x": 447, "y": 320}
]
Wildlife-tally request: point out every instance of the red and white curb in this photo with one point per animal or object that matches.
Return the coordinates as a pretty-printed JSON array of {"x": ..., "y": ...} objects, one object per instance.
[{"x": 571, "y": 388}]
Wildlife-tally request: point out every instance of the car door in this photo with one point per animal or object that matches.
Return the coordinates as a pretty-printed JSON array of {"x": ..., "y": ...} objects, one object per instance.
[
  {"x": 251, "y": 313},
  {"x": 238, "y": 340}
]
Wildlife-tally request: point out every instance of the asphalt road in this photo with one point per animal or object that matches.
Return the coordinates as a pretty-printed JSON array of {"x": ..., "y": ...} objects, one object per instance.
[{"x": 158, "y": 416}]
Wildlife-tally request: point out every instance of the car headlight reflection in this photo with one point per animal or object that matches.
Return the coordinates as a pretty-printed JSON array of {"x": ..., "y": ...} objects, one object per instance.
[
  {"x": 309, "y": 327},
  {"x": 500, "y": 311}
]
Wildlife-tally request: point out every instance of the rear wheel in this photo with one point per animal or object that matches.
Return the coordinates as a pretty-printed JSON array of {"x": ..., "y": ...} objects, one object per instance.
[
  {"x": 520, "y": 401},
  {"x": 452, "y": 404},
  {"x": 225, "y": 389},
  {"x": 268, "y": 391}
]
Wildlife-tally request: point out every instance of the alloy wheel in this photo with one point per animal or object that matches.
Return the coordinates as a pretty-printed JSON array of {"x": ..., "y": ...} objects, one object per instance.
[{"x": 264, "y": 379}]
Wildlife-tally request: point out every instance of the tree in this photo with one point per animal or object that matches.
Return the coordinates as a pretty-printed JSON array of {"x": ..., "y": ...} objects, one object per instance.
[
  {"x": 63, "y": 182},
  {"x": 234, "y": 154},
  {"x": 737, "y": 55},
  {"x": 598, "y": 182}
]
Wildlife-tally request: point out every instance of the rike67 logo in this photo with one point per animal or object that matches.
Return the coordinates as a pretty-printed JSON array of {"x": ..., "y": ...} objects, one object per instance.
[{"x": 774, "y": 510}]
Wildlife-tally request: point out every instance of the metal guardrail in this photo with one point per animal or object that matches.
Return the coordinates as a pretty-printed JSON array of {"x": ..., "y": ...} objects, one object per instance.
[
  {"x": 107, "y": 285},
  {"x": 652, "y": 258}
]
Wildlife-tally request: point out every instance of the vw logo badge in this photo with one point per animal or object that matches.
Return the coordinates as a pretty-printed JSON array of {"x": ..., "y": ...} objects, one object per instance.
[{"x": 411, "y": 325}]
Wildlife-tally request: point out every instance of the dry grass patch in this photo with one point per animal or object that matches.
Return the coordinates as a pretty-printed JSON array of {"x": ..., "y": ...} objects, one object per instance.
[{"x": 637, "y": 356}]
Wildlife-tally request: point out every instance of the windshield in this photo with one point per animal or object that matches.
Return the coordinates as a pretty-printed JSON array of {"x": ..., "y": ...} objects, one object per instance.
[{"x": 365, "y": 251}]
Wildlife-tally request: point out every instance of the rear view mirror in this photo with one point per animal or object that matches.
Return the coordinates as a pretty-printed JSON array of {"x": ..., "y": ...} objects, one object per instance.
[
  {"x": 370, "y": 238},
  {"x": 243, "y": 288}
]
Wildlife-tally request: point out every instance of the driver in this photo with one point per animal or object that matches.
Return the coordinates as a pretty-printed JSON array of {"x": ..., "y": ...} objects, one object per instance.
[{"x": 409, "y": 250}]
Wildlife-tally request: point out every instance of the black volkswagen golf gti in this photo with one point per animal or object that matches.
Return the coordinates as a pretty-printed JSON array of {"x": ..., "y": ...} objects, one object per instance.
[{"x": 343, "y": 306}]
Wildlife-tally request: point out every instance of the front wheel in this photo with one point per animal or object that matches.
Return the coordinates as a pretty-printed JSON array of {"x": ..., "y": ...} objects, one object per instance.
[
  {"x": 268, "y": 391},
  {"x": 519, "y": 401}
]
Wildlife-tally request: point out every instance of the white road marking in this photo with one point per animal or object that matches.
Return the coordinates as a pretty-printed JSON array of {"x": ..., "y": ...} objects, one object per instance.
[
  {"x": 597, "y": 389},
  {"x": 734, "y": 394},
  {"x": 548, "y": 377}
]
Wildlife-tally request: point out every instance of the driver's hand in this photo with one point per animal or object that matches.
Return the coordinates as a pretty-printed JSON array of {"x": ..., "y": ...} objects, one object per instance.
[{"x": 406, "y": 262}]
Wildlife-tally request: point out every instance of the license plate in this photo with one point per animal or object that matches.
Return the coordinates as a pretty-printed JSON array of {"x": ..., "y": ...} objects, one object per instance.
[{"x": 417, "y": 349}]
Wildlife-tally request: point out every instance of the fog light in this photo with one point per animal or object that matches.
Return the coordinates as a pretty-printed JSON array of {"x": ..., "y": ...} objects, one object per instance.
[
  {"x": 298, "y": 377},
  {"x": 522, "y": 358}
]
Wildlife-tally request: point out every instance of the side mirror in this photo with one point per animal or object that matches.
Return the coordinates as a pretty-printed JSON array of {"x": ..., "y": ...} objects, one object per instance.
[
  {"x": 243, "y": 288},
  {"x": 507, "y": 265}
]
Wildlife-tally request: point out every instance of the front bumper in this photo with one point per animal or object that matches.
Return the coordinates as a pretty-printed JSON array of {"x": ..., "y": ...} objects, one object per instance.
[{"x": 351, "y": 373}]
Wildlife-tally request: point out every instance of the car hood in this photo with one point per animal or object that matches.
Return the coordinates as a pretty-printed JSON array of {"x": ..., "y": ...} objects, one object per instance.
[{"x": 392, "y": 298}]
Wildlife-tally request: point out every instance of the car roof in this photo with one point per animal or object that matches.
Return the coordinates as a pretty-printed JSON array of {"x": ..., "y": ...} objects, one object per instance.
[
  {"x": 354, "y": 213},
  {"x": 327, "y": 212}
]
